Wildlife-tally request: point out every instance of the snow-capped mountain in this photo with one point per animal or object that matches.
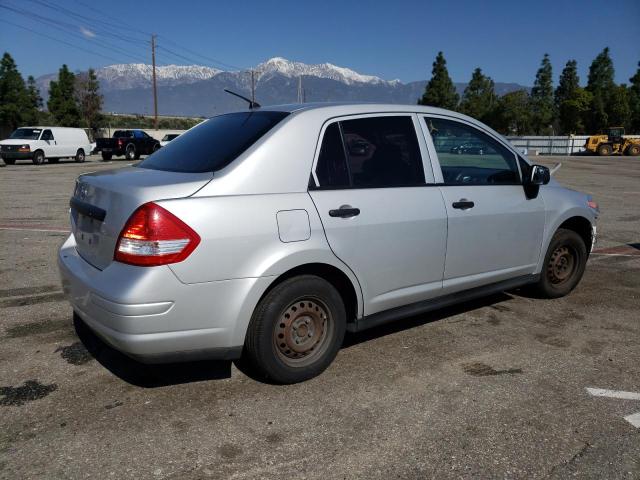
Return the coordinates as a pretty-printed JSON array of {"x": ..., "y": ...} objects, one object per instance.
[
  {"x": 199, "y": 91},
  {"x": 289, "y": 68},
  {"x": 134, "y": 75}
]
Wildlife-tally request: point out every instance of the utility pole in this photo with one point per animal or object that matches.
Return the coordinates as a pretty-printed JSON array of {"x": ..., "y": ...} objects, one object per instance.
[
  {"x": 253, "y": 86},
  {"x": 155, "y": 91},
  {"x": 300, "y": 89}
]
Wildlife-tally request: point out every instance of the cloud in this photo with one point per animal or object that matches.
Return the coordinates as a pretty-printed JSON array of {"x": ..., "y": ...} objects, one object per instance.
[{"x": 87, "y": 33}]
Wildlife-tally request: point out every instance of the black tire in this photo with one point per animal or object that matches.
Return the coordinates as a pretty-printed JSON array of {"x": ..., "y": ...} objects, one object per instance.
[
  {"x": 80, "y": 156},
  {"x": 605, "y": 150},
  {"x": 295, "y": 331},
  {"x": 106, "y": 156},
  {"x": 633, "y": 150},
  {"x": 130, "y": 153},
  {"x": 38, "y": 157},
  {"x": 563, "y": 266},
  {"x": 9, "y": 161}
]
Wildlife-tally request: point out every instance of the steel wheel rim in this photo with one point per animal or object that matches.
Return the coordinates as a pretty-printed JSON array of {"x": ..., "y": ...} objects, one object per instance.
[
  {"x": 302, "y": 332},
  {"x": 561, "y": 265}
]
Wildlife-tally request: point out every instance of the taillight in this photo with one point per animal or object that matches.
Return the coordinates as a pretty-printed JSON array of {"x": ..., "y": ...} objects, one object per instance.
[
  {"x": 119, "y": 142},
  {"x": 154, "y": 236}
]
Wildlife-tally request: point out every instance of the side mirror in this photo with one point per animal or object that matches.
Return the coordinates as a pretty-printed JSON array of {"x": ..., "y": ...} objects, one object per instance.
[{"x": 540, "y": 175}]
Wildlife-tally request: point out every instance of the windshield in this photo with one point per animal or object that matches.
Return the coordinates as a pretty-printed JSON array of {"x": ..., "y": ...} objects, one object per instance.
[
  {"x": 213, "y": 144},
  {"x": 26, "y": 134}
]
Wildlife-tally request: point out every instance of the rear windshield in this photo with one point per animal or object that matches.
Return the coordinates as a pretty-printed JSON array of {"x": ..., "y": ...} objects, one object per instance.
[
  {"x": 26, "y": 134},
  {"x": 213, "y": 144}
]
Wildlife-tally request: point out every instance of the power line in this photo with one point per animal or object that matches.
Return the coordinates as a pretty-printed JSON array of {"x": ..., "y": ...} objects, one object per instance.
[
  {"x": 58, "y": 40},
  {"x": 213, "y": 60},
  {"x": 65, "y": 27},
  {"x": 170, "y": 41},
  {"x": 96, "y": 23}
]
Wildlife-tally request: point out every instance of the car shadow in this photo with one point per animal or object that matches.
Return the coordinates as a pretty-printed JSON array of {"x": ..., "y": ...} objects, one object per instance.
[
  {"x": 147, "y": 375},
  {"x": 160, "y": 375},
  {"x": 352, "y": 339}
]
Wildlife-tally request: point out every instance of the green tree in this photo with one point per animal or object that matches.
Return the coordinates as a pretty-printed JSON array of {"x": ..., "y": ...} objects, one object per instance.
[
  {"x": 634, "y": 102},
  {"x": 619, "y": 111},
  {"x": 89, "y": 99},
  {"x": 512, "y": 115},
  {"x": 479, "y": 98},
  {"x": 542, "y": 101},
  {"x": 34, "y": 103},
  {"x": 440, "y": 91},
  {"x": 601, "y": 86},
  {"x": 571, "y": 101},
  {"x": 62, "y": 103},
  {"x": 14, "y": 100}
]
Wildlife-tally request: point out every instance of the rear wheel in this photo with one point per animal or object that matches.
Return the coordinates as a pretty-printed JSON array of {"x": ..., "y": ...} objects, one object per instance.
[
  {"x": 80, "y": 156},
  {"x": 563, "y": 266},
  {"x": 296, "y": 330},
  {"x": 38, "y": 157},
  {"x": 604, "y": 150},
  {"x": 633, "y": 150},
  {"x": 130, "y": 153}
]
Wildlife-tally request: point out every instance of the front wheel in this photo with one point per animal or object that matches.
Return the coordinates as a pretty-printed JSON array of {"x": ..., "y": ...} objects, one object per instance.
[
  {"x": 80, "y": 157},
  {"x": 605, "y": 150},
  {"x": 633, "y": 150},
  {"x": 38, "y": 157},
  {"x": 296, "y": 330},
  {"x": 564, "y": 264}
]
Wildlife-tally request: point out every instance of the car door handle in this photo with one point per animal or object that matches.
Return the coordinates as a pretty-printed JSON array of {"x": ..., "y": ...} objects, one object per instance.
[
  {"x": 463, "y": 204},
  {"x": 345, "y": 211}
]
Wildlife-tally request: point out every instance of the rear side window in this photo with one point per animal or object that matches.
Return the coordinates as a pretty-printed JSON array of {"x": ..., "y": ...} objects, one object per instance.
[
  {"x": 213, "y": 144},
  {"x": 332, "y": 163},
  {"x": 468, "y": 156},
  {"x": 379, "y": 152}
]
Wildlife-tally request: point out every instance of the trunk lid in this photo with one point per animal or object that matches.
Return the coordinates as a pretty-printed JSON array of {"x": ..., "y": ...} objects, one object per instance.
[{"x": 102, "y": 203}]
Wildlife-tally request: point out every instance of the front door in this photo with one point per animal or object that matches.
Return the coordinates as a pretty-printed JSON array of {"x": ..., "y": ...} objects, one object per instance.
[
  {"x": 494, "y": 230},
  {"x": 382, "y": 216}
]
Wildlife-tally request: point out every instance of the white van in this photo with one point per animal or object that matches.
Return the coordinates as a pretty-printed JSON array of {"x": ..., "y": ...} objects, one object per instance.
[{"x": 45, "y": 143}]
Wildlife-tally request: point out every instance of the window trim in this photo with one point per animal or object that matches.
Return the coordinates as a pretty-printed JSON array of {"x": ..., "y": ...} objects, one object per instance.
[
  {"x": 434, "y": 154},
  {"x": 425, "y": 154}
]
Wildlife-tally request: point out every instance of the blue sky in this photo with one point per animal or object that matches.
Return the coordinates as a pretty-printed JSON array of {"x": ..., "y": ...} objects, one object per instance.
[{"x": 391, "y": 39}]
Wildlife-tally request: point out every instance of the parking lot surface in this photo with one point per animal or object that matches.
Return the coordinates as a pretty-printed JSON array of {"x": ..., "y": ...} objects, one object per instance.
[{"x": 495, "y": 388}]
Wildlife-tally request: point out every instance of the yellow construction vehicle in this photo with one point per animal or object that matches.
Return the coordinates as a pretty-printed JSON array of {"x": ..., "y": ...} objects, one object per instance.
[{"x": 612, "y": 142}]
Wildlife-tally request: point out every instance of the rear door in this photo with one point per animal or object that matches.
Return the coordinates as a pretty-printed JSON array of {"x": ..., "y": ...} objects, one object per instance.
[
  {"x": 381, "y": 211},
  {"x": 495, "y": 231}
]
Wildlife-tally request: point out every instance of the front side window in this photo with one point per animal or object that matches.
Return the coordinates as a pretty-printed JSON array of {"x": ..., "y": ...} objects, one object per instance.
[
  {"x": 469, "y": 156},
  {"x": 378, "y": 151},
  {"x": 47, "y": 135}
]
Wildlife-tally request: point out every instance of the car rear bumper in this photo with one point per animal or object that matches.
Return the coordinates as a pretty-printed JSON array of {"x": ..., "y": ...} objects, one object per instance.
[{"x": 148, "y": 314}]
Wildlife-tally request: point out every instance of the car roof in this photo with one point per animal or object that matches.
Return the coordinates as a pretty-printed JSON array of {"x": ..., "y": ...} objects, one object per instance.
[{"x": 333, "y": 109}]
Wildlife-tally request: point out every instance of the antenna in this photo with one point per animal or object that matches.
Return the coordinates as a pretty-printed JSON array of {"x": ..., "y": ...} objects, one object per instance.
[{"x": 252, "y": 104}]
